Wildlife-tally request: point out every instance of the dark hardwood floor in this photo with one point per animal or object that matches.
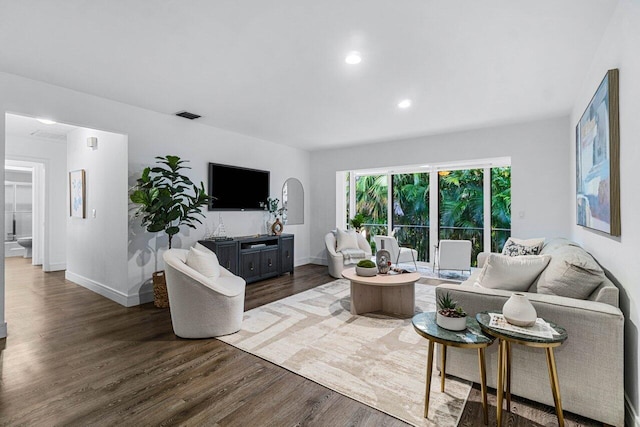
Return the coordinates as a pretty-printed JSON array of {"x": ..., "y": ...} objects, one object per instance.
[{"x": 73, "y": 357}]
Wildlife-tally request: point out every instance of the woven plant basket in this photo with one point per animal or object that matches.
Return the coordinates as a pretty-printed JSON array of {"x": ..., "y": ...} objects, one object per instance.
[{"x": 160, "y": 295}]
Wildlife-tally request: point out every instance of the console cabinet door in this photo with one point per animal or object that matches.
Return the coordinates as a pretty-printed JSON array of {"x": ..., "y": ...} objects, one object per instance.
[
  {"x": 286, "y": 254},
  {"x": 227, "y": 253},
  {"x": 269, "y": 262},
  {"x": 250, "y": 265},
  {"x": 228, "y": 256}
]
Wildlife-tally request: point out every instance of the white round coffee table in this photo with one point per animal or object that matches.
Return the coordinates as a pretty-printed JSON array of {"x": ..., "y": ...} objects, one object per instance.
[{"x": 391, "y": 293}]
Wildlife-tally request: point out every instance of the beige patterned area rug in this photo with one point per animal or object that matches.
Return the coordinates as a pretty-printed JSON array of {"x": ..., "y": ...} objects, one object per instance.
[{"x": 375, "y": 359}]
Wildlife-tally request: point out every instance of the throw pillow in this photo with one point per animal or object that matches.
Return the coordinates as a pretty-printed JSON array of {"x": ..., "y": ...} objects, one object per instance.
[
  {"x": 571, "y": 273},
  {"x": 512, "y": 273},
  {"x": 204, "y": 262},
  {"x": 518, "y": 247},
  {"x": 203, "y": 248},
  {"x": 346, "y": 239},
  {"x": 555, "y": 243}
]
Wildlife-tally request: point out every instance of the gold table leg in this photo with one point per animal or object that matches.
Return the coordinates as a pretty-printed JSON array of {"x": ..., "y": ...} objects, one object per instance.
[
  {"x": 443, "y": 368},
  {"x": 500, "y": 385},
  {"x": 508, "y": 374},
  {"x": 483, "y": 384},
  {"x": 428, "y": 388},
  {"x": 555, "y": 385}
]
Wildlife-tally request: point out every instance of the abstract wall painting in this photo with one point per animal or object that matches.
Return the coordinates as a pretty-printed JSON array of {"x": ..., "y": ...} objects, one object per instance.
[
  {"x": 598, "y": 160},
  {"x": 77, "y": 194}
]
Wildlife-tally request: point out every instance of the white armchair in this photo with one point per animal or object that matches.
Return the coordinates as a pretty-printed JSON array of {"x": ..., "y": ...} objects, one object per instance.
[
  {"x": 398, "y": 254},
  {"x": 336, "y": 259},
  {"x": 454, "y": 255},
  {"x": 202, "y": 307}
]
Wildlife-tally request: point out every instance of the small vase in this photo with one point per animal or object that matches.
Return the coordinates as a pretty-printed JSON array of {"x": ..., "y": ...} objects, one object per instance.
[
  {"x": 383, "y": 261},
  {"x": 451, "y": 323},
  {"x": 268, "y": 222},
  {"x": 277, "y": 227},
  {"x": 519, "y": 311}
]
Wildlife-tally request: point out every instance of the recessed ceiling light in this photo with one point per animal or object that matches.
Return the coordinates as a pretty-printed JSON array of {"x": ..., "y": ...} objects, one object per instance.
[
  {"x": 353, "y": 58},
  {"x": 405, "y": 103},
  {"x": 46, "y": 121}
]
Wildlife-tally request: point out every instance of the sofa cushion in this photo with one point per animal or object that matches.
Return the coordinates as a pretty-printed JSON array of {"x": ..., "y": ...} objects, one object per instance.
[
  {"x": 518, "y": 247},
  {"x": 204, "y": 262},
  {"x": 571, "y": 273},
  {"x": 553, "y": 244},
  {"x": 346, "y": 239},
  {"x": 512, "y": 273}
]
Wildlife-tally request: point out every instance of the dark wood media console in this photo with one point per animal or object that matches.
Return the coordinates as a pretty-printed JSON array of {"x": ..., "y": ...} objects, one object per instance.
[{"x": 254, "y": 257}]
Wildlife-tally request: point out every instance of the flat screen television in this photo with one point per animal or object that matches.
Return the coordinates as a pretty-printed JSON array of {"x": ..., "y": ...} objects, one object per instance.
[{"x": 237, "y": 189}]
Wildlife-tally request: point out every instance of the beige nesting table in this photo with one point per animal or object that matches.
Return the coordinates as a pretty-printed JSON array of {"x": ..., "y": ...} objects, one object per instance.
[{"x": 391, "y": 293}]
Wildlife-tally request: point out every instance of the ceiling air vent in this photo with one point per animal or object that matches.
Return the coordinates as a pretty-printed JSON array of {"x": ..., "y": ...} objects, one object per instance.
[
  {"x": 49, "y": 135},
  {"x": 187, "y": 115}
]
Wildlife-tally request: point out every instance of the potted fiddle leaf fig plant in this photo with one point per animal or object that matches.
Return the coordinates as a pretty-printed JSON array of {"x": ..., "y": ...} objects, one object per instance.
[
  {"x": 166, "y": 200},
  {"x": 450, "y": 315}
]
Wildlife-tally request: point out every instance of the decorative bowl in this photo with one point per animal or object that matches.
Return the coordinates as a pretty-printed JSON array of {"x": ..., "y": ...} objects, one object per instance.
[
  {"x": 451, "y": 323},
  {"x": 366, "y": 271}
]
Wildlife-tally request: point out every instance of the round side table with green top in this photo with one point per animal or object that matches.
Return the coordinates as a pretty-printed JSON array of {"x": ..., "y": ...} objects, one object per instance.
[
  {"x": 505, "y": 339},
  {"x": 472, "y": 337}
]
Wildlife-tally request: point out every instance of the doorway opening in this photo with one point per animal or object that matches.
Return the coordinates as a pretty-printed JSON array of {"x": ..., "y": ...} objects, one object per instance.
[{"x": 35, "y": 190}]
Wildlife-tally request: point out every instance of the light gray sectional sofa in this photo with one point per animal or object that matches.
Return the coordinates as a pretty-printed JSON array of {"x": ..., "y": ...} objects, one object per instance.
[{"x": 590, "y": 363}]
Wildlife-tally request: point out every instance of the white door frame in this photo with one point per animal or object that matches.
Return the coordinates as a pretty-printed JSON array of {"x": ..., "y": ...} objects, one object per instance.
[{"x": 40, "y": 215}]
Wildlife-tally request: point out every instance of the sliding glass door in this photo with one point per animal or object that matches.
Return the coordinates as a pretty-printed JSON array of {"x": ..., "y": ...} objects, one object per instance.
[
  {"x": 500, "y": 207},
  {"x": 461, "y": 207},
  {"x": 410, "y": 211},
  {"x": 421, "y": 208},
  {"x": 371, "y": 201}
]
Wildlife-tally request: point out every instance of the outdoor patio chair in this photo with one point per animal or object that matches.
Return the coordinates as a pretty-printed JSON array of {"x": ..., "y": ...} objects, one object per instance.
[
  {"x": 453, "y": 255},
  {"x": 398, "y": 253}
]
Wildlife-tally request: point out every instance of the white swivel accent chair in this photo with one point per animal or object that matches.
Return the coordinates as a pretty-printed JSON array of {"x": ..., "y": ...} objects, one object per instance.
[
  {"x": 454, "y": 255},
  {"x": 398, "y": 254},
  {"x": 202, "y": 307},
  {"x": 336, "y": 260}
]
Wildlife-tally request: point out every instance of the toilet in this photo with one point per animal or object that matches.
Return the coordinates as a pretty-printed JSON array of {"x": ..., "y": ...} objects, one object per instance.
[{"x": 25, "y": 242}]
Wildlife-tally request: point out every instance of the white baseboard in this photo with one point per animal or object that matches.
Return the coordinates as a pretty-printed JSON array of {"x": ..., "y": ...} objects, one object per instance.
[
  {"x": 631, "y": 415},
  {"x": 300, "y": 261},
  {"x": 318, "y": 260},
  {"x": 55, "y": 266},
  {"x": 108, "y": 292},
  {"x": 3, "y": 330},
  {"x": 13, "y": 252}
]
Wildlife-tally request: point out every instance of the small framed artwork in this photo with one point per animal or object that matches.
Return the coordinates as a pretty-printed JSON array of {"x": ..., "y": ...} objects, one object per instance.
[
  {"x": 77, "y": 194},
  {"x": 598, "y": 160}
]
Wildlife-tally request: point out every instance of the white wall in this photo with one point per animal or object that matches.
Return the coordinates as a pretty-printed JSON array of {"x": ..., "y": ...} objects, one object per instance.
[
  {"x": 97, "y": 245},
  {"x": 201, "y": 145},
  {"x": 539, "y": 163},
  {"x": 619, "y": 49},
  {"x": 151, "y": 134},
  {"x": 54, "y": 156}
]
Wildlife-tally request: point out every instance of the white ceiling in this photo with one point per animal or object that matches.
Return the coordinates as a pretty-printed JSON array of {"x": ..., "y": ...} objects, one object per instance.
[
  {"x": 276, "y": 70},
  {"x": 29, "y": 127}
]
